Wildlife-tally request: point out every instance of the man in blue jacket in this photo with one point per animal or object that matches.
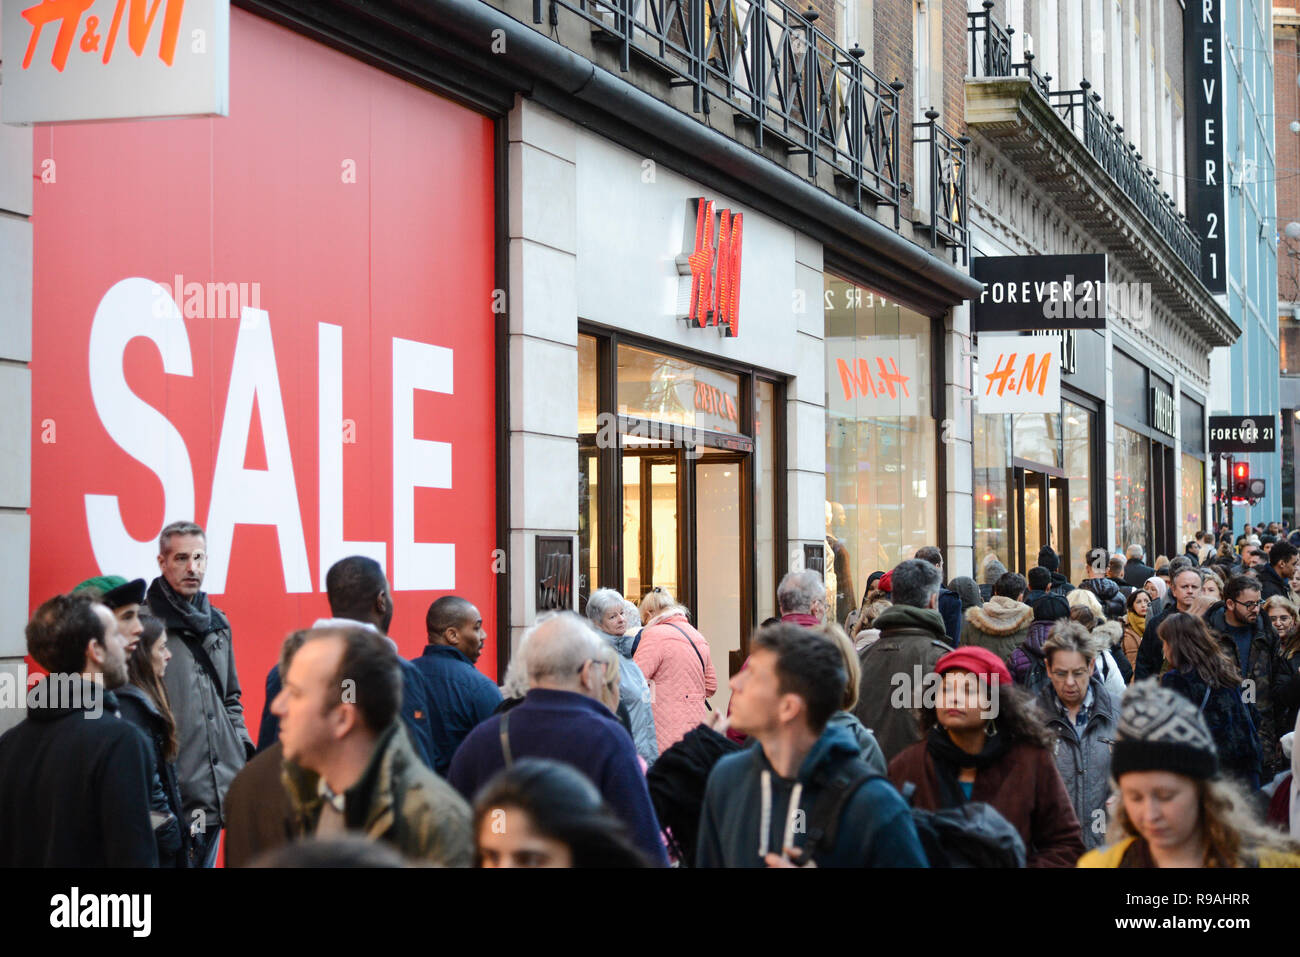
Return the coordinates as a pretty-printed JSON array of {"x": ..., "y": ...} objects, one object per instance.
[
  {"x": 562, "y": 718},
  {"x": 357, "y": 589},
  {"x": 461, "y": 696},
  {"x": 949, "y": 601},
  {"x": 762, "y": 804}
]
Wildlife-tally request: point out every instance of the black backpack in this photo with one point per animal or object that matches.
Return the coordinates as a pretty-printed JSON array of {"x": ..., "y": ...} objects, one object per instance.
[{"x": 972, "y": 834}]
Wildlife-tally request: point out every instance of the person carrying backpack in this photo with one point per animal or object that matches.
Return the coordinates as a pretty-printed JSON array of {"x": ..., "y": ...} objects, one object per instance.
[
  {"x": 985, "y": 742},
  {"x": 802, "y": 795}
]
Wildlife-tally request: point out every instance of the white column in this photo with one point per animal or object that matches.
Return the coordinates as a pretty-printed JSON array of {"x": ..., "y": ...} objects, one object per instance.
[
  {"x": 806, "y": 415},
  {"x": 543, "y": 309},
  {"x": 956, "y": 432}
]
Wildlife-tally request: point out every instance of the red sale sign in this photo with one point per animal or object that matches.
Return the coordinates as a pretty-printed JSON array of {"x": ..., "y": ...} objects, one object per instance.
[{"x": 279, "y": 325}]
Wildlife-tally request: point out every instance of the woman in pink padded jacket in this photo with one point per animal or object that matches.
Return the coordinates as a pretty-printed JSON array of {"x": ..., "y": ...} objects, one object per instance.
[{"x": 677, "y": 664}]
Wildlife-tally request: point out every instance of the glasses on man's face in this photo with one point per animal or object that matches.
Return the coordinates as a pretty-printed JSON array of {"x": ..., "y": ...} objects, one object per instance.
[
  {"x": 1248, "y": 605},
  {"x": 591, "y": 661}
]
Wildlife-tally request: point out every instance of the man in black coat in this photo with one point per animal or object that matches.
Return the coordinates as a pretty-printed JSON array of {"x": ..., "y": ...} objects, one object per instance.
[
  {"x": 1136, "y": 572},
  {"x": 74, "y": 777},
  {"x": 1274, "y": 578}
]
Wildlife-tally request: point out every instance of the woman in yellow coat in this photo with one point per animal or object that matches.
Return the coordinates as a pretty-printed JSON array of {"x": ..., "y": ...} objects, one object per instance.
[{"x": 1173, "y": 809}]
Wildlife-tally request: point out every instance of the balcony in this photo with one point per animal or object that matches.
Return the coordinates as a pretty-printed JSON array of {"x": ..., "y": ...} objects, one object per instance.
[
  {"x": 941, "y": 185},
  {"x": 792, "y": 86},
  {"x": 1075, "y": 151}
]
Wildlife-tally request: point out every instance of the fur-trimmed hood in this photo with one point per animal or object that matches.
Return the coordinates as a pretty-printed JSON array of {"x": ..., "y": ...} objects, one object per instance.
[
  {"x": 1109, "y": 632},
  {"x": 1000, "y": 616}
]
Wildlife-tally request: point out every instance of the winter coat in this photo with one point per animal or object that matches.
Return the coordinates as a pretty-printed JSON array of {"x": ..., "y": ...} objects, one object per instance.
[
  {"x": 1107, "y": 668},
  {"x": 397, "y": 800},
  {"x": 669, "y": 654},
  {"x": 1060, "y": 585},
  {"x": 868, "y": 746},
  {"x": 75, "y": 783},
  {"x": 634, "y": 691},
  {"x": 677, "y": 781},
  {"x": 1108, "y": 593},
  {"x": 165, "y": 797},
  {"x": 1230, "y": 722},
  {"x": 1114, "y": 854},
  {"x": 259, "y": 815},
  {"x": 1023, "y": 786},
  {"x": 1084, "y": 764},
  {"x": 1132, "y": 642},
  {"x": 1274, "y": 682},
  {"x": 999, "y": 625},
  {"x": 214, "y": 743},
  {"x": 950, "y": 612},
  {"x": 1150, "y": 654},
  {"x": 911, "y": 642},
  {"x": 1136, "y": 573},
  {"x": 417, "y": 711},
  {"x": 745, "y": 793},
  {"x": 1030, "y": 652},
  {"x": 460, "y": 696},
  {"x": 569, "y": 727},
  {"x": 1271, "y": 584}
]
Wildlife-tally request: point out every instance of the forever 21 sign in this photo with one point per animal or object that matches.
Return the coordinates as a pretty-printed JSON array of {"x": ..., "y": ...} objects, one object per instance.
[
  {"x": 1203, "y": 68},
  {"x": 1039, "y": 293}
]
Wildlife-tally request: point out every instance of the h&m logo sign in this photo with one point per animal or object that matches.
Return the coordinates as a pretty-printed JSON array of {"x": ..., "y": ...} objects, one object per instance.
[{"x": 714, "y": 270}]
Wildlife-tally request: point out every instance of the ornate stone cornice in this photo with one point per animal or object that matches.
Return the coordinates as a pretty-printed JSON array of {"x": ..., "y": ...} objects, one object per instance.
[{"x": 1009, "y": 114}]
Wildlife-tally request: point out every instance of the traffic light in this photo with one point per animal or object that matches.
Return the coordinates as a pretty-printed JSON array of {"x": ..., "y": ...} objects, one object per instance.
[
  {"x": 1241, "y": 480},
  {"x": 1243, "y": 486}
]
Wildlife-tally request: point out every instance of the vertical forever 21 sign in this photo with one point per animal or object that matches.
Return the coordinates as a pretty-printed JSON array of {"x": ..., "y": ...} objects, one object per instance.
[{"x": 1203, "y": 33}]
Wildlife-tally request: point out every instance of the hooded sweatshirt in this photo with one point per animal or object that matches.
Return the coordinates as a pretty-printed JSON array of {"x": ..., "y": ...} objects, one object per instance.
[
  {"x": 999, "y": 625},
  {"x": 750, "y": 810}
]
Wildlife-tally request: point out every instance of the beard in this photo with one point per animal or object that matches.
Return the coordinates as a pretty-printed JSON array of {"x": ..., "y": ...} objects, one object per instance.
[{"x": 115, "y": 676}]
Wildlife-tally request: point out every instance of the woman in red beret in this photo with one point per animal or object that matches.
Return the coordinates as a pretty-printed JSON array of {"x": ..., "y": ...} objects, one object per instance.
[{"x": 984, "y": 741}]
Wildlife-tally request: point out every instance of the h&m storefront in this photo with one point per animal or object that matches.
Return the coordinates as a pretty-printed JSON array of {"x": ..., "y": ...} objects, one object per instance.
[
  {"x": 1038, "y": 476},
  {"x": 278, "y": 324}
]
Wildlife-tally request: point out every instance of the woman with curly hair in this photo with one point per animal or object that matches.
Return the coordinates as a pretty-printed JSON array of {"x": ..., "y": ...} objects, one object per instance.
[
  {"x": 1173, "y": 809},
  {"x": 985, "y": 741}
]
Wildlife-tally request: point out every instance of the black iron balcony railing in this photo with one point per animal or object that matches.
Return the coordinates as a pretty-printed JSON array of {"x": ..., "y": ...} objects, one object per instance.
[
  {"x": 784, "y": 77},
  {"x": 947, "y": 183},
  {"x": 990, "y": 50},
  {"x": 1104, "y": 139},
  {"x": 1081, "y": 111}
]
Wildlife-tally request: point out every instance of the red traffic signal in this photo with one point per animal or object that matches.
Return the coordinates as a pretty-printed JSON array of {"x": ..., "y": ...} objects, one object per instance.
[{"x": 1241, "y": 479}]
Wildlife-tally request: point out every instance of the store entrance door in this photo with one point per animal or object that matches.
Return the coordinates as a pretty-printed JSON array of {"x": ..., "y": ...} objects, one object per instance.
[
  {"x": 1041, "y": 515},
  {"x": 685, "y": 529}
]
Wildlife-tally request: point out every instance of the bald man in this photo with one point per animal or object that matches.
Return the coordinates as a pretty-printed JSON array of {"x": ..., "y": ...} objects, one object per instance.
[{"x": 461, "y": 696}]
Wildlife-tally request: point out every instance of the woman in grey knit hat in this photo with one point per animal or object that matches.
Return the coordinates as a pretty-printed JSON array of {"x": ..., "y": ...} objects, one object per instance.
[
  {"x": 991, "y": 571},
  {"x": 1172, "y": 808}
]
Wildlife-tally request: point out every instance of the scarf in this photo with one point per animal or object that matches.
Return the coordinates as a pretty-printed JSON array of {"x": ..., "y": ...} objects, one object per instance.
[
  {"x": 197, "y": 615},
  {"x": 1138, "y": 623},
  {"x": 949, "y": 760}
]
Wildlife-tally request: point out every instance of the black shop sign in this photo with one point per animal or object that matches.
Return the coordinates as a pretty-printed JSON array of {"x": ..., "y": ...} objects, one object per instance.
[
  {"x": 1039, "y": 293},
  {"x": 1243, "y": 433},
  {"x": 1206, "y": 196}
]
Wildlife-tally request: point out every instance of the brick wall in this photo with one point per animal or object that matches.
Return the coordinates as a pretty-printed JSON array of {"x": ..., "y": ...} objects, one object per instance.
[
  {"x": 893, "y": 58},
  {"x": 1286, "y": 106}
]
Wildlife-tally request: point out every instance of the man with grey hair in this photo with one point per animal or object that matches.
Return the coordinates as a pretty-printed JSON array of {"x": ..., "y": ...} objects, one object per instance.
[
  {"x": 202, "y": 686},
  {"x": 561, "y": 718},
  {"x": 1136, "y": 572},
  {"x": 894, "y": 667},
  {"x": 801, "y": 598},
  {"x": 949, "y": 603}
]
